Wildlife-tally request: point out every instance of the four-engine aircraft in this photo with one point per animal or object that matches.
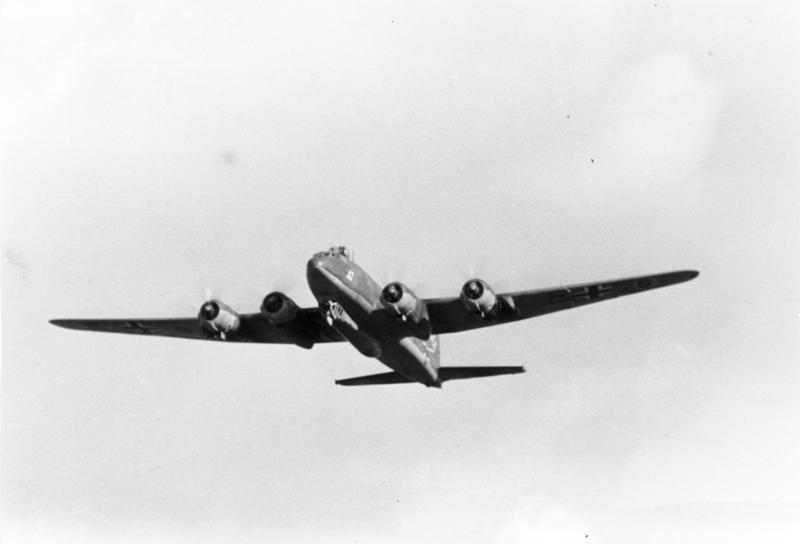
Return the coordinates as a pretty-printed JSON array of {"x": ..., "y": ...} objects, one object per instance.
[{"x": 390, "y": 324}]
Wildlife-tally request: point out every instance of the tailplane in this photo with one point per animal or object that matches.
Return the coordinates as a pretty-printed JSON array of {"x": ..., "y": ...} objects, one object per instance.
[
  {"x": 446, "y": 373},
  {"x": 376, "y": 379}
]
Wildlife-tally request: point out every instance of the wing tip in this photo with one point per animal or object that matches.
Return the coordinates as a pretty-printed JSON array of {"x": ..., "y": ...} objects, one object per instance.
[
  {"x": 60, "y": 323},
  {"x": 687, "y": 275},
  {"x": 679, "y": 276},
  {"x": 72, "y": 324}
]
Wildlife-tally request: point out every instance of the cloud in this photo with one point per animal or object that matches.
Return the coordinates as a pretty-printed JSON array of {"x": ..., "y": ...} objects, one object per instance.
[
  {"x": 17, "y": 260},
  {"x": 540, "y": 519},
  {"x": 657, "y": 126}
]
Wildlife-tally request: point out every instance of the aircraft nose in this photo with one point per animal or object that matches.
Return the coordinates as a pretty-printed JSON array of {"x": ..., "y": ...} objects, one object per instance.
[
  {"x": 316, "y": 263},
  {"x": 316, "y": 272}
]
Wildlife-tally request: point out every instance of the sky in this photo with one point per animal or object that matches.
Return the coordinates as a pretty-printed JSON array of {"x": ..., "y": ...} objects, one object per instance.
[{"x": 153, "y": 154}]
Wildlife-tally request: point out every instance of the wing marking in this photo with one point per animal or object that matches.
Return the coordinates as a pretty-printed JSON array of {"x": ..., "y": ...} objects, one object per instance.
[
  {"x": 307, "y": 329},
  {"x": 449, "y": 315}
]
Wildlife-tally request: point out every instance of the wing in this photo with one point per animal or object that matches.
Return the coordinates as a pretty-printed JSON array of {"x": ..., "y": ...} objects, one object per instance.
[
  {"x": 449, "y": 315},
  {"x": 307, "y": 328}
]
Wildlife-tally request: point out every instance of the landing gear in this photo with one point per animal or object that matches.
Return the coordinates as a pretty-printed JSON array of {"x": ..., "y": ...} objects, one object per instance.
[
  {"x": 214, "y": 333},
  {"x": 329, "y": 316}
]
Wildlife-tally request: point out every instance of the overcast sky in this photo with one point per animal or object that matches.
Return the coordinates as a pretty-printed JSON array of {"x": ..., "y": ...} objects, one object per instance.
[{"x": 153, "y": 152}]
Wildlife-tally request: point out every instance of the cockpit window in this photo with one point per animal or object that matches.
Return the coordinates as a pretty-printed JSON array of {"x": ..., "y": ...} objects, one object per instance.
[{"x": 337, "y": 251}]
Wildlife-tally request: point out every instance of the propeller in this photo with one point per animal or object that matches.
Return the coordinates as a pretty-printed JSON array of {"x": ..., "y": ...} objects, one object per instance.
[
  {"x": 477, "y": 269},
  {"x": 392, "y": 293},
  {"x": 272, "y": 303},
  {"x": 473, "y": 289},
  {"x": 208, "y": 306},
  {"x": 474, "y": 267},
  {"x": 209, "y": 310},
  {"x": 284, "y": 282},
  {"x": 280, "y": 282}
]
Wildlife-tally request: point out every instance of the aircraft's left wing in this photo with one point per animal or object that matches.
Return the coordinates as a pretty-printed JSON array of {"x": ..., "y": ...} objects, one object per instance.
[
  {"x": 449, "y": 314},
  {"x": 307, "y": 329}
]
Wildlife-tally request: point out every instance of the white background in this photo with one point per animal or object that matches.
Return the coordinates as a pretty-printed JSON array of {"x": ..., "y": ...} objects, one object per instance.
[{"x": 151, "y": 152}]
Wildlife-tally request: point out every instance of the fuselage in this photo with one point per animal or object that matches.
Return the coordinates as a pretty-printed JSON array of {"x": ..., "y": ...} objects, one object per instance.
[{"x": 351, "y": 301}]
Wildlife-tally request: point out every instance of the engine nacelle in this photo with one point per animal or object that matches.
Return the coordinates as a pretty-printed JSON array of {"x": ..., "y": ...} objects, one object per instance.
[
  {"x": 479, "y": 298},
  {"x": 219, "y": 317},
  {"x": 278, "y": 309},
  {"x": 402, "y": 301}
]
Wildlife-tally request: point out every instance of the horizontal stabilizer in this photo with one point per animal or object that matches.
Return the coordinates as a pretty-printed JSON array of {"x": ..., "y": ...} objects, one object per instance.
[
  {"x": 376, "y": 379},
  {"x": 464, "y": 372},
  {"x": 445, "y": 373}
]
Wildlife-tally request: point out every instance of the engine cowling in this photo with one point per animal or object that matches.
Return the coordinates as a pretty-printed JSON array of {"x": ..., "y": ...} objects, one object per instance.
[
  {"x": 479, "y": 298},
  {"x": 219, "y": 317},
  {"x": 278, "y": 309},
  {"x": 402, "y": 301}
]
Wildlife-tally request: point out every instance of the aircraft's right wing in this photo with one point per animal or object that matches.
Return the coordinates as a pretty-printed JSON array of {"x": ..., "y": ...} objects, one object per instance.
[
  {"x": 306, "y": 329},
  {"x": 449, "y": 315}
]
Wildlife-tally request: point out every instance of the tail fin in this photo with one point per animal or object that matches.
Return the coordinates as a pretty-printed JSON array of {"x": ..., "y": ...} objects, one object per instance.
[{"x": 464, "y": 372}]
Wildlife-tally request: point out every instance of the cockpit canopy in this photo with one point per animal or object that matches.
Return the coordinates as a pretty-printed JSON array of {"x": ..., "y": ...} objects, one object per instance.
[{"x": 337, "y": 251}]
